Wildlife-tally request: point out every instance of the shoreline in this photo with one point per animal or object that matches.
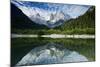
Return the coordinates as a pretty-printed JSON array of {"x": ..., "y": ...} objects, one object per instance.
[{"x": 83, "y": 36}]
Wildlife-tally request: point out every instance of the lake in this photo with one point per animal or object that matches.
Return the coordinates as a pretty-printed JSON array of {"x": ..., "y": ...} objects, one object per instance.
[{"x": 39, "y": 51}]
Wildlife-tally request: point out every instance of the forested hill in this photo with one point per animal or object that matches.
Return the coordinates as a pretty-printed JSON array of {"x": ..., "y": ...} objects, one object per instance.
[{"x": 85, "y": 21}]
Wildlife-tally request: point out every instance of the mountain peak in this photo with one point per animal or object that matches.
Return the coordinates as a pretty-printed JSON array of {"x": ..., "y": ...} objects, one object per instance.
[{"x": 50, "y": 14}]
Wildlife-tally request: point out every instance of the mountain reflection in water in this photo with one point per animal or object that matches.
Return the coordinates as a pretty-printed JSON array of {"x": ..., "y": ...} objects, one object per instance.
[{"x": 51, "y": 53}]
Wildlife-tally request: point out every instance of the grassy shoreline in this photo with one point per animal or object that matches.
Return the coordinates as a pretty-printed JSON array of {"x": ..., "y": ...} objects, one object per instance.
[{"x": 54, "y": 31}]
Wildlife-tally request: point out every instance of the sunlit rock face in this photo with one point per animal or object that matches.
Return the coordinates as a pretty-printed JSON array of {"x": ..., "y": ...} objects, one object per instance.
[
  {"x": 50, "y": 14},
  {"x": 51, "y": 53}
]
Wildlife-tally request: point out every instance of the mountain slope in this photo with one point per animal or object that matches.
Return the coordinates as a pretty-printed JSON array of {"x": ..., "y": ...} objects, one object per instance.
[{"x": 21, "y": 21}]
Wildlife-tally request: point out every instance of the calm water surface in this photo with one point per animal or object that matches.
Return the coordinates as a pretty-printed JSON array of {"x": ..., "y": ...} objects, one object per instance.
[{"x": 36, "y": 51}]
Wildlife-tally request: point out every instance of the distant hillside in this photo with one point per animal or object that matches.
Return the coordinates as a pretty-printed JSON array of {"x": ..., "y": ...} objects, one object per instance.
[{"x": 21, "y": 21}]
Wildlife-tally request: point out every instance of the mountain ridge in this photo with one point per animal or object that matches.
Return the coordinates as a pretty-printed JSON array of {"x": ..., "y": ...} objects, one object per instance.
[{"x": 52, "y": 14}]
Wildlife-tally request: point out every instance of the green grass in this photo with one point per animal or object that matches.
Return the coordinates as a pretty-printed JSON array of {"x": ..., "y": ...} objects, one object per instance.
[{"x": 55, "y": 31}]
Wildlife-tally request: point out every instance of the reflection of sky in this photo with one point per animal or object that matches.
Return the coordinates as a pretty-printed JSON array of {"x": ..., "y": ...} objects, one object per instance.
[
  {"x": 51, "y": 53},
  {"x": 73, "y": 10}
]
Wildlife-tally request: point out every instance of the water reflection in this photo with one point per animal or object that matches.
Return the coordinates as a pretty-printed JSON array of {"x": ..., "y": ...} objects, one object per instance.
[{"x": 51, "y": 53}]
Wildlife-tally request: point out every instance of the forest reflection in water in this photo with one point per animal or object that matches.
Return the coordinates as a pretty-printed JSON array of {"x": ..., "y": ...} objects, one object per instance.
[{"x": 50, "y": 51}]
